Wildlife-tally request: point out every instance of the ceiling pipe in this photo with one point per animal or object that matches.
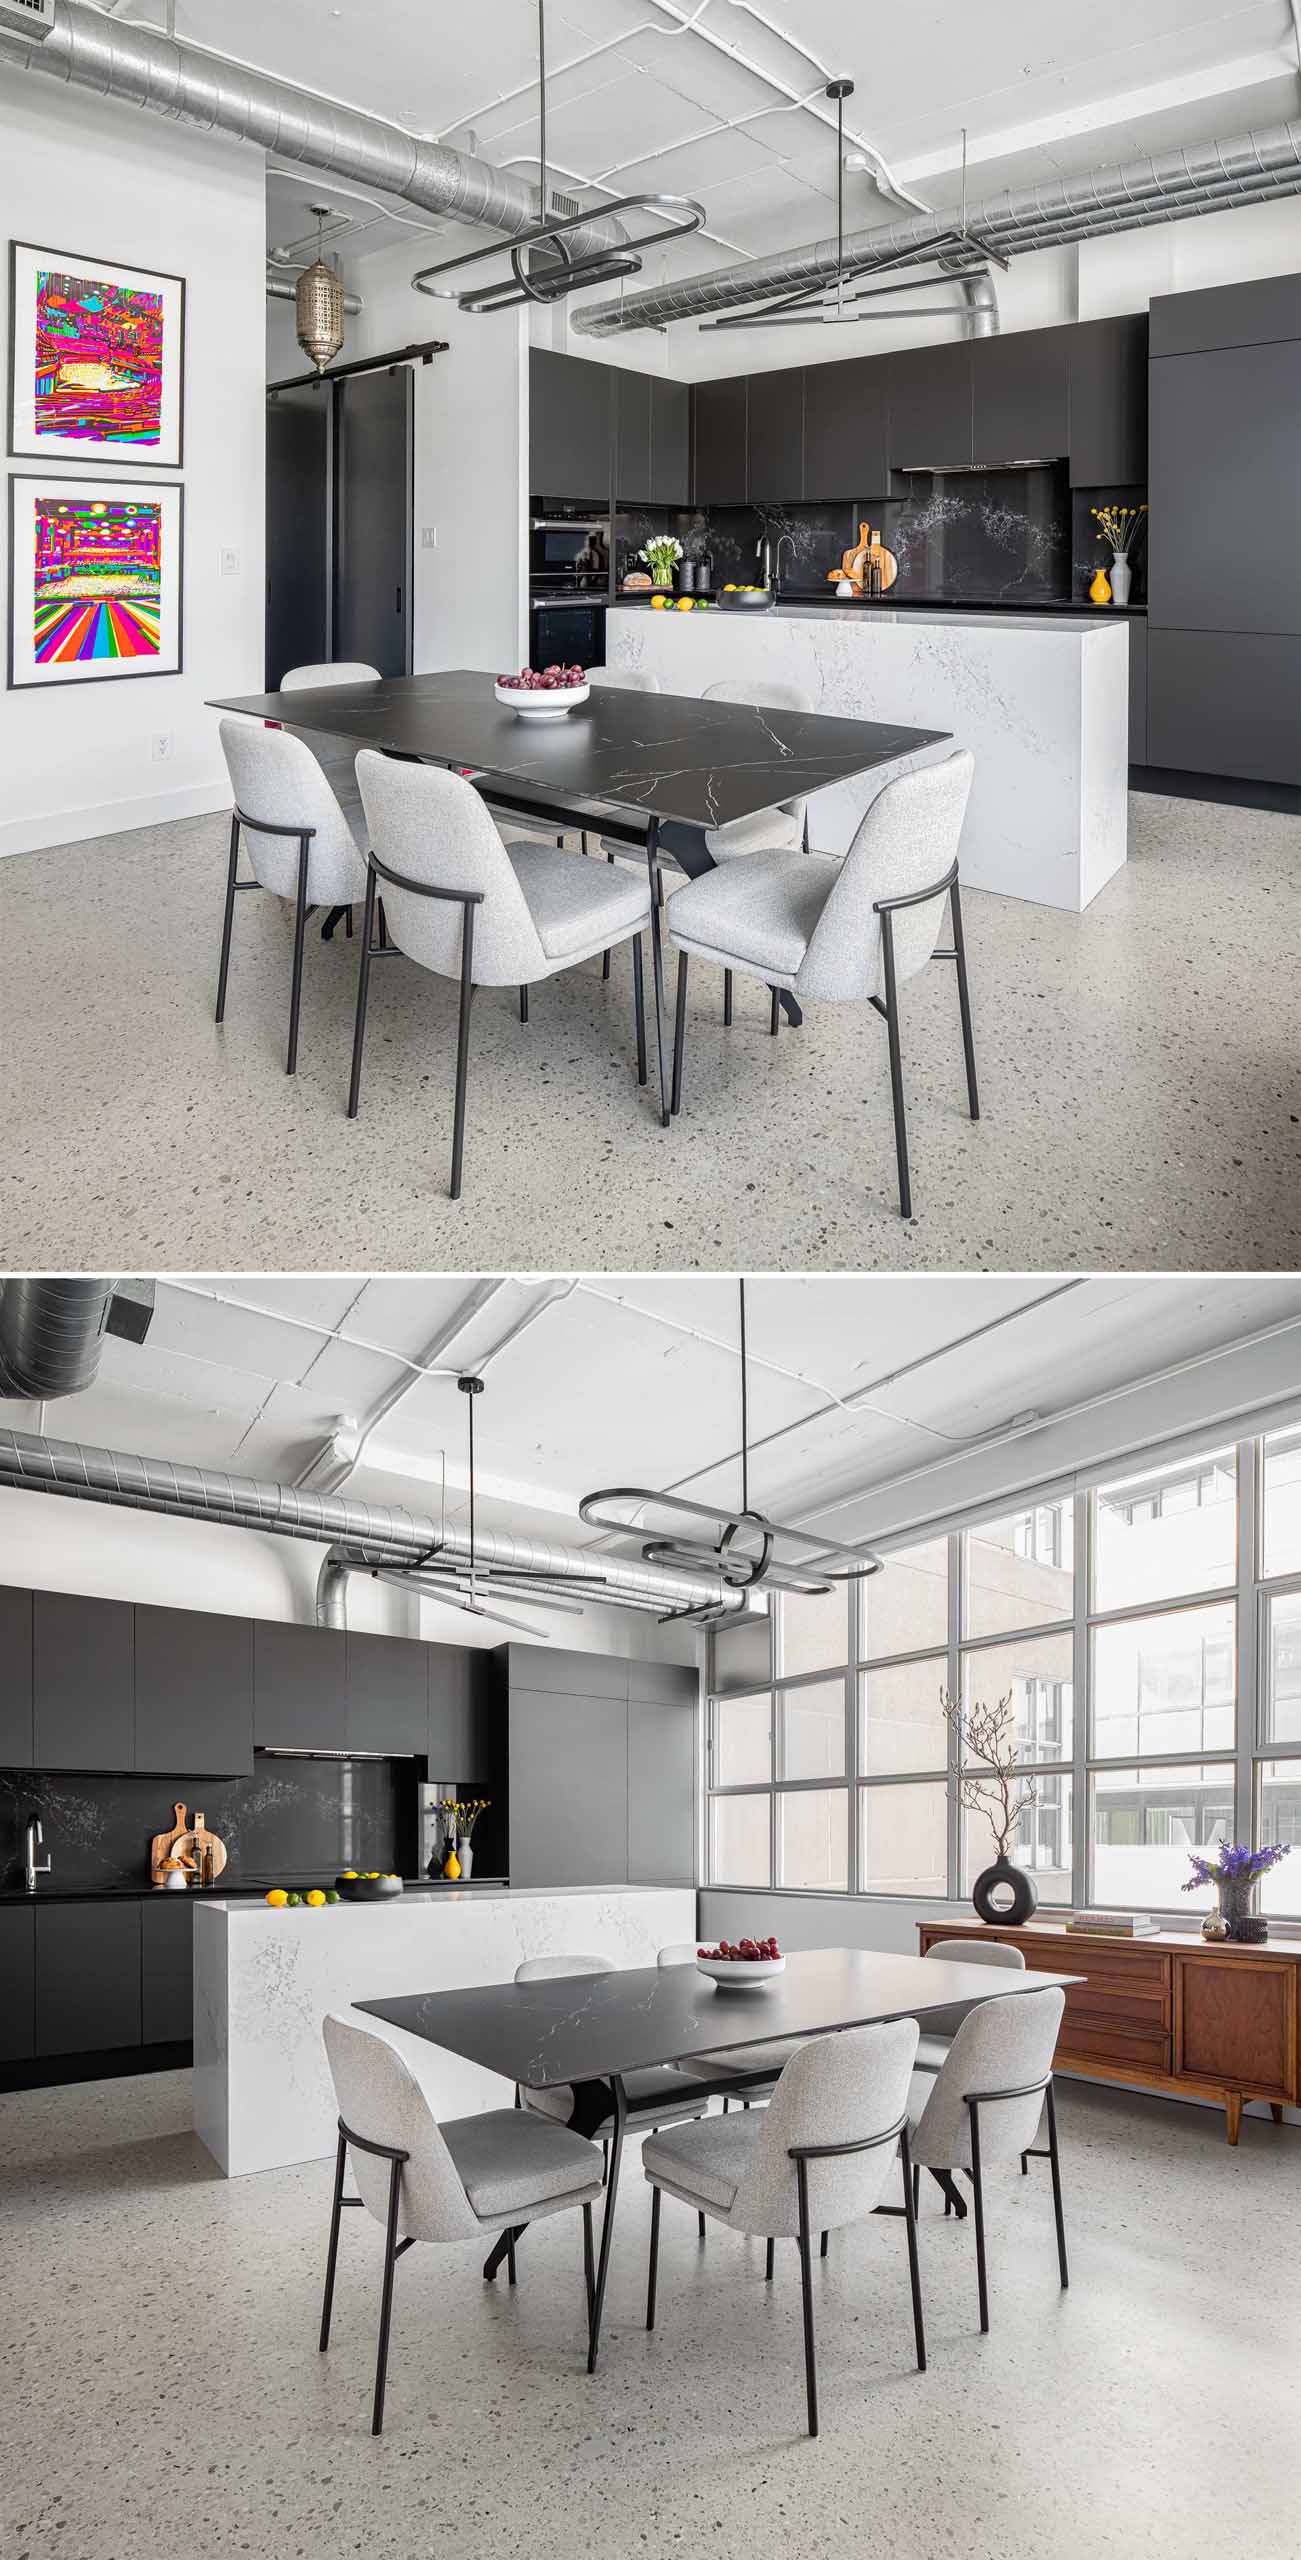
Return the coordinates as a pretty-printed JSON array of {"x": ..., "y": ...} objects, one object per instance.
[
  {"x": 284, "y": 288},
  {"x": 1205, "y": 177},
  {"x": 144, "y": 67},
  {"x": 51, "y": 1335}
]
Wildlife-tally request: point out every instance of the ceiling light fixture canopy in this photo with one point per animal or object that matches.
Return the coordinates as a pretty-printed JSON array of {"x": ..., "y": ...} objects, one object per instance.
[
  {"x": 748, "y": 1551},
  {"x": 318, "y": 304},
  {"x": 544, "y": 266},
  {"x": 958, "y": 252}
]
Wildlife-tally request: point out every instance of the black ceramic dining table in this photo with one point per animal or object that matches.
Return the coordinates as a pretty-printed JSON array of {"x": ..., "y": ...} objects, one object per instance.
[
  {"x": 589, "y": 2032},
  {"x": 629, "y": 764}
]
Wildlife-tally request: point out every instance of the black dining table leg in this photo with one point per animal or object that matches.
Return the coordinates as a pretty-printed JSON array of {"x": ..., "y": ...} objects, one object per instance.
[
  {"x": 619, "y": 2111},
  {"x": 657, "y": 966}
]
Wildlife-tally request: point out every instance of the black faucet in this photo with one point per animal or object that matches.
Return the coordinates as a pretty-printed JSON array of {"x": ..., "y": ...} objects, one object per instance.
[{"x": 35, "y": 1840}]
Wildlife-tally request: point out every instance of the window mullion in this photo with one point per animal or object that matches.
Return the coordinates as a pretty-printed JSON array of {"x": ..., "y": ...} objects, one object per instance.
[
  {"x": 1082, "y": 1716},
  {"x": 1248, "y": 1722},
  {"x": 953, "y": 1683}
]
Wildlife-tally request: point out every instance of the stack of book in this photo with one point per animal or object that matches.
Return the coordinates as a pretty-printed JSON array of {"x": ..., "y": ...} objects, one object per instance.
[{"x": 1114, "y": 1924}]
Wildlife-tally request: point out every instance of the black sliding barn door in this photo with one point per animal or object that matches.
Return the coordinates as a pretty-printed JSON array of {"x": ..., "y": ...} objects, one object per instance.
[{"x": 339, "y": 515}]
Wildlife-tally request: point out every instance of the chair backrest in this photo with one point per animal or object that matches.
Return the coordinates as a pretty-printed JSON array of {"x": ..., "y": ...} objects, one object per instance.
[
  {"x": 946, "y": 2022},
  {"x": 380, "y": 2100},
  {"x": 624, "y": 679},
  {"x": 765, "y": 697},
  {"x": 840, "y": 2088},
  {"x": 433, "y": 826},
  {"x": 1006, "y": 2043},
  {"x": 277, "y": 780},
  {"x": 329, "y": 671},
  {"x": 908, "y": 839},
  {"x": 557, "y": 1968},
  {"x": 682, "y": 1954}
]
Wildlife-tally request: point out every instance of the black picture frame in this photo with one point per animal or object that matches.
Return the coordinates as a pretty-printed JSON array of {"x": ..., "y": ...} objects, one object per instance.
[
  {"x": 94, "y": 457},
  {"x": 128, "y": 673}
]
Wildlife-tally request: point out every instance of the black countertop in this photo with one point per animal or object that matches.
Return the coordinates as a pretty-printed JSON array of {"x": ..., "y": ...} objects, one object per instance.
[
  {"x": 893, "y": 602},
  {"x": 223, "y": 1892}
]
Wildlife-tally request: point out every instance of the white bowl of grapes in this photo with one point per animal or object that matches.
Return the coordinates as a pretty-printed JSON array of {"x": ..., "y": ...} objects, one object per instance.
[{"x": 543, "y": 693}]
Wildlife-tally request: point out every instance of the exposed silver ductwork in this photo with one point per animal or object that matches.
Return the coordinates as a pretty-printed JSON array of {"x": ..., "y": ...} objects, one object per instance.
[
  {"x": 1203, "y": 178},
  {"x": 146, "y": 68},
  {"x": 284, "y": 289},
  {"x": 51, "y": 1335},
  {"x": 362, "y": 1535}
]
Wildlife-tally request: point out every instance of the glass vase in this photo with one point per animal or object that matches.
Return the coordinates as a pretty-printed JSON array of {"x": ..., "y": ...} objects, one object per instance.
[
  {"x": 1246, "y": 1926},
  {"x": 661, "y": 573}
]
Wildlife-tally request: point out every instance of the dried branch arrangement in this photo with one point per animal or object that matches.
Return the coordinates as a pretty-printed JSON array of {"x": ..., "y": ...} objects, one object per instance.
[{"x": 986, "y": 1740}]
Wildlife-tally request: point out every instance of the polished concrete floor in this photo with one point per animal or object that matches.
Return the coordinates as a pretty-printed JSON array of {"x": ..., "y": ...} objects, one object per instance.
[
  {"x": 161, "y": 2389},
  {"x": 1139, "y": 1069}
]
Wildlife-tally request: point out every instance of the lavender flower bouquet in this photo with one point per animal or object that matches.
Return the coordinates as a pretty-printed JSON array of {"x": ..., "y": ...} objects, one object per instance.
[{"x": 1235, "y": 1873}]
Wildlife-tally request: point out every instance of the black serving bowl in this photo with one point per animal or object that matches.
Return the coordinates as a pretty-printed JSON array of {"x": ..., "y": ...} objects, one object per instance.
[{"x": 367, "y": 1888}]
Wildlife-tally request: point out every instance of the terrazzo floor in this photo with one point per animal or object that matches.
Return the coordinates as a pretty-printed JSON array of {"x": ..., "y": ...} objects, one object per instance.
[
  {"x": 161, "y": 2389},
  {"x": 1139, "y": 1070}
]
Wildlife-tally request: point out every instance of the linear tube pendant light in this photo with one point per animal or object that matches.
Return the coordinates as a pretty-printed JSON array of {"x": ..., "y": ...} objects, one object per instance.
[
  {"x": 544, "y": 267},
  {"x": 747, "y": 1550}
]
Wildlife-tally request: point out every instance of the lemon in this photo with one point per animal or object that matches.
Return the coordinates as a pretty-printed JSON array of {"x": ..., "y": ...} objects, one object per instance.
[
  {"x": 314, "y": 1900},
  {"x": 658, "y": 603},
  {"x": 277, "y": 1898},
  {"x": 349, "y": 1875},
  {"x": 686, "y": 604}
]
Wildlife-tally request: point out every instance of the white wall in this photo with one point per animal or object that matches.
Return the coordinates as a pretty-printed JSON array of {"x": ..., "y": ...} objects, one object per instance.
[
  {"x": 81, "y": 174},
  {"x": 471, "y": 458}
]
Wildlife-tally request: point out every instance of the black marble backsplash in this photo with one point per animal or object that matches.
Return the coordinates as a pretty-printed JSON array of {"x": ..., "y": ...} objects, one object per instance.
[
  {"x": 730, "y": 537},
  {"x": 292, "y": 1818}
]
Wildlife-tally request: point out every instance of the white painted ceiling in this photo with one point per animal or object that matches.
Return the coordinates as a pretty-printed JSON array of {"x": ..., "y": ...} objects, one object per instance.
[
  {"x": 607, "y": 1380},
  {"x": 1041, "y": 86}
]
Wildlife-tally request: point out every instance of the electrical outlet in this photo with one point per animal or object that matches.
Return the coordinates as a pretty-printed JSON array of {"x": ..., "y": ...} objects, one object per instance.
[
  {"x": 230, "y": 564},
  {"x": 161, "y": 746},
  {"x": 429, "y": 537}
]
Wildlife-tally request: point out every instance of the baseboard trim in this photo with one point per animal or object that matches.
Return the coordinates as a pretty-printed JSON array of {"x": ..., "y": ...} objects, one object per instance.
[
  {"x": 1227, "y": 791},
  {"x": 74, "y": 826},
  {"x": 119, "y": 2062}
]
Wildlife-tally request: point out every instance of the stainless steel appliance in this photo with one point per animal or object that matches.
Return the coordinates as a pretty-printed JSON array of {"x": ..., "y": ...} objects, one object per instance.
[
  {"x": 571, "y": 552},
  {"x": 566, "y": 631}
]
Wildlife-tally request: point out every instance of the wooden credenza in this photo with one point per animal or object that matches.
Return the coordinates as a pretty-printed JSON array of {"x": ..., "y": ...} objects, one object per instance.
[{"x": 1170, "y": 2012}]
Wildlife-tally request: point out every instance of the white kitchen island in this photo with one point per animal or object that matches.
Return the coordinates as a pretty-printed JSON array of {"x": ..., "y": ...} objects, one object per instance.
[
  {"x": 264, "y": 1980},
  {"x": 1042, "y": 700}
]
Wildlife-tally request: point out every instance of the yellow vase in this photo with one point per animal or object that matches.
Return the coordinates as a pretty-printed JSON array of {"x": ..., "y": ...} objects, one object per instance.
[
  {"x": 451, "y": 1866},
  {"x": 1100, "y": 591}
]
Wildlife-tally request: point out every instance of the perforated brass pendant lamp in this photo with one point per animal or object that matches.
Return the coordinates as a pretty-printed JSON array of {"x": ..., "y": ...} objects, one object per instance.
[{"x": 318, "y": 305}]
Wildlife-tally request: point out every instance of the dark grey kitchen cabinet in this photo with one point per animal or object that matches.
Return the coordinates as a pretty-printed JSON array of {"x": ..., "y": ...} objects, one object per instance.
[
  {"x": 632, "y": 438},
  {"x": 193, "y": 1692},
  {"x": 1226, "y": 315},
  {"x": 1225, "y": 527},
  {"x": 846, "y": 411},
  {"x": 568, "y": 1787},
  {"x": 17, "y": 1983},
  {"x": 1108, "y": 402},
  {"x": 1019, "y": 397},
  {"x": 662, "y": 1781},
  {"x": 1137, "y": 690},
  {"x": 167, "y": 1969},
  {"x": 300, "y": 1686},
  {"x": 930, "y": 407},
  {"x": 87, "y": 1976},
  {"x": 83, "y": 1682},
  {"x": 16, "y": 1725},
  {"x": 581, "y": 1675},
  {"x": 387, "y": 1707},
  {"x": 718, "y": 441},
  {"x": 670, "y": 408},
  {"x": 1225, "y": 702},
  {"x": 462, "y": 1738},
  {"x": 775, "y": 435},
  {"x": 570, "y": 428}
]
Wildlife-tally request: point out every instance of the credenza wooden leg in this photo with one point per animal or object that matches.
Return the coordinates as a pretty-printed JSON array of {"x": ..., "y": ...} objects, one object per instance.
[
  {"x": 1232, "y": 2113},
  {"x": 1276, "y": 2109}
]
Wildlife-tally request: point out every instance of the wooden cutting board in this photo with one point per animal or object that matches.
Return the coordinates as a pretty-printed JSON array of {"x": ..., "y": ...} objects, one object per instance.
[
  {"x": 188, "y": 1841},
  {"x": 164, "y": 1844}
]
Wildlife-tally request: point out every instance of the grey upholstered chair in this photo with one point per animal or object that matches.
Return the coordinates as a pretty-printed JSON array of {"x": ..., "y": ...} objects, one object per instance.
[
  {"x": 818, "y": 2155},
  {"x": 768, "y": 2058},
  {"x": 335, "y": 756},
  {"x": 301, "y": 844},
  {"x": 844, "y": 930},
  {"x": 941, "y": 2025},
  {"x": 674, "y": 2099},
  {"x": 463, "y": 904},
  {"x": 982, "y": 2108},
  {"x": 428, "y": 2181},
  {"x": 625, "y": 679},
  {"x": 768, "y": 829}
]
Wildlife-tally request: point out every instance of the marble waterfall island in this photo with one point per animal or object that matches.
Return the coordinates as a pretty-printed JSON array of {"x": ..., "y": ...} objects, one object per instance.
[
  {"x": 1041, "y": 700},
  {"x": 264, "y": 1980}
]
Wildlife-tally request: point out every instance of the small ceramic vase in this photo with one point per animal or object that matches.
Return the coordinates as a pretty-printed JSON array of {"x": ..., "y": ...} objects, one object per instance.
[
  {"x": 1100, "y": 591},
  {"x": 1120, "y": 578},
  {"x": 465, "y": 1852},
  {"x": 452, "y": 1865},
  {"x": 1215, "y": 1927}
]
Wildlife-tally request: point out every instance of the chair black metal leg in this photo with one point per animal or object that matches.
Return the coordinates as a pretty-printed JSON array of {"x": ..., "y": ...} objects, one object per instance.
[
  {"x": 679, "y": 1031},
  {"x": 914, "y": 2271},
  {"x": 363, "y": 990},
  {"x": 964, "y": 1001},
  {"x": 1025, "y": 2164},
  {"x": 953, "y": 2202},
  {"x": 639, "y": 1002},
  {"x": 228, "y": 918},
  {"x": 607, "y": 2221},
  {"x": 605, "y": 956},
  {"x": 769, "y": 2257},
  {"x": 589, "y": 2260},
  {"x": 336, "y": 2216},
  {"x": 386, "y": 2302},
  {"x": 657, "y": 966},
  {"x": 775, "y": 1015},
  {"x": 523, "y": 1004},
  {"x": 727, "y": 999},
  {"x": 727, "y": 2106},
  {"x": 701, "y": 2220},
  {"x": 917, "y": 2189},
  {"x": 652, "y": 2271},
  {"x": 510, "y": 2256},
  {"x": 806, "y": 2290},
  {"x": 1055, "y": 2161},
  {"x": 348, "y": 926},
  {"x": 978, "y": 2200},
  {"x": 300, "y": 928},
  {"x": 605, "y": 2163},
  {"x": 825, "y": 2237},
  {"x": 896, "y": 1068},
  {"x": 462, "y": 1050}
]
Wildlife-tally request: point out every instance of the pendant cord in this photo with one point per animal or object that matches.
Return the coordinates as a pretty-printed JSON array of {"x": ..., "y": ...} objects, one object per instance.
[
  {"x": 840, "y": 207},
  {"x": 471, "y": 1403},
  {"x": 542, "y": 104},
  {"x": 745, "y": 1418}
]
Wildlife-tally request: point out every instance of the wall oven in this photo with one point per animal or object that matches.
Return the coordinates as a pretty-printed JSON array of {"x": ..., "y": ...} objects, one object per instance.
[{"x": 570, "y": 552}]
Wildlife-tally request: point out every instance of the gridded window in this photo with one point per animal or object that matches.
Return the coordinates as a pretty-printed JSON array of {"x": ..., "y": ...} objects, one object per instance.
[
  {"x": 901, "y": 1721},
  {"x": 1280, "y": 1524},
  {"x": 813, "y": 1633},
  {"x": 1020, "y": 1571},
  {"x": 742, "y": 1735},
  {"x": 1146, "y": 1823},
  {"x": 813, "y": 1838},
  {"x": 1167, "y": 1531},
  {"x": 905, "y": 1607},
  {"x": 1278, "y": 1820},
  {"x": 1042, "y": 1842},
  {"x": 811, "y": 1730},
  {"x": 1036, "y": 1673},
  {"x": 1165, "y": 1683},
  {"x": 739, "y": 1847},
  {"x": 904, "y": 1839},
  {"x": 1283, "y": 1668}
]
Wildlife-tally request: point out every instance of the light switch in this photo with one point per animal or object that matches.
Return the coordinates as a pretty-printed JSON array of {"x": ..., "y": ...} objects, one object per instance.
[
  {"x": 229, "y": 564},
  {"x": 429, "y": 537}
]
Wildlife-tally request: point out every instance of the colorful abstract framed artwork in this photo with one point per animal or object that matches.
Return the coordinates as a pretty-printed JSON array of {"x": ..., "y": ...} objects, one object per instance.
[
  {"x": 96, "y": 579},
  {"x": 96, "y": 360}
]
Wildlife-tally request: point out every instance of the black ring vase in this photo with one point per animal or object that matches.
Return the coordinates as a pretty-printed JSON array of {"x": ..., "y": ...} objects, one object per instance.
[{"x": 1005, "y": 1896}]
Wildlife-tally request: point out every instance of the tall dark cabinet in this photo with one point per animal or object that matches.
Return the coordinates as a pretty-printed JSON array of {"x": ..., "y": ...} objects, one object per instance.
[
  {"x": 83, "y": 1682},
  {"x": 16, "y": 1721},
  {"x": 846, "y": 415},
  {"x": 571, "y": 423},
  {"x": 602, "y": 1769},
  {"x": 775, "y": 435},
  {"x": 718, "y": 442},
  {"x": 193, "y": 1692}
]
